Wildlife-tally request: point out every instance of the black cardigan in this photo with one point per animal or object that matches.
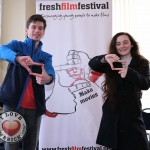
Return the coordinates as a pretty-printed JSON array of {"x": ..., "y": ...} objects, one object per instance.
[{"x": 127, "y": 115}]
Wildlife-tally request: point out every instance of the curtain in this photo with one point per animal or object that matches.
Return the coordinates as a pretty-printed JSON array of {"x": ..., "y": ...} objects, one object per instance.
[{"x": 133, "y": 16}]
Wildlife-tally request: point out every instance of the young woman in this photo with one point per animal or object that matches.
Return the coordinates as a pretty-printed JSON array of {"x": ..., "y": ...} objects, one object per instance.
[{"x": 126, "y": 75}]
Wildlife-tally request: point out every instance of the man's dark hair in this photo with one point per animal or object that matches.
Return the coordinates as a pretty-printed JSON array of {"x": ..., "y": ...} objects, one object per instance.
[{"x": 35, "y": 18}]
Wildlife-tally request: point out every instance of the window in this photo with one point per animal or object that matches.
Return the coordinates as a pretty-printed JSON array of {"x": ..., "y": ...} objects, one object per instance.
[{"x": 132, "y": 16}]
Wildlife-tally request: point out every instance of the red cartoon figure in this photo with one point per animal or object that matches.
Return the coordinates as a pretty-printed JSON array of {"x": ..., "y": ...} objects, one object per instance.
[{"x": 76, "y": 73}]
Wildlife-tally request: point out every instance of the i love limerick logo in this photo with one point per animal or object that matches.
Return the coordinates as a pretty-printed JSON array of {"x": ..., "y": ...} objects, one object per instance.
[{"x": 12, "y": 127}]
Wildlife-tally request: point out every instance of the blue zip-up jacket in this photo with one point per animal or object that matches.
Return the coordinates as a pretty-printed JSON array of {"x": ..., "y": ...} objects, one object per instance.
[{"x": 16, "y": 79}]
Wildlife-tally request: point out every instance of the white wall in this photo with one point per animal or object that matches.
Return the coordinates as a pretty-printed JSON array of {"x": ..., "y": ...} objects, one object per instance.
[{"x": 14, "y": 16}]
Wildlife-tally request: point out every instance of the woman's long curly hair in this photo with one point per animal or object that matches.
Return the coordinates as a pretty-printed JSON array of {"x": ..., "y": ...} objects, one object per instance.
[{"x": 109, "y": 85}]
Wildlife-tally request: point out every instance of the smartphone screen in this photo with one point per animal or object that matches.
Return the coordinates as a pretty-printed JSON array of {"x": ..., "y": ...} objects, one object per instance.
[{"x": 37, "y": 69}]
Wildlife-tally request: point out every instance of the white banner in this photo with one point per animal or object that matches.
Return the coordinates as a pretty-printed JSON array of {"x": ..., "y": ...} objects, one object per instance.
[{"x": 76, "y": 31}]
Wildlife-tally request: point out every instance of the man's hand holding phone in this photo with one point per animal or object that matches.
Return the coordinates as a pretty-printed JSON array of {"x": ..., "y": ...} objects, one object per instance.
[
  {"x": 42, "y": 78},
  {"x": 26, "y": 62}
]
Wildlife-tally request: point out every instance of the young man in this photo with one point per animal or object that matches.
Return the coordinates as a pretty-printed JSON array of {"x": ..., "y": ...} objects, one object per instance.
[{"x": 29, "y": 69}]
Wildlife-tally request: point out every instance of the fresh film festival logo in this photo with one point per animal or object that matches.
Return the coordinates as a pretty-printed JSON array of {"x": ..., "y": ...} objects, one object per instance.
[
  {"x": 70, "y": 6},
  {"x": 12, "y": 127},
  {"x": 78, "y": 148}
]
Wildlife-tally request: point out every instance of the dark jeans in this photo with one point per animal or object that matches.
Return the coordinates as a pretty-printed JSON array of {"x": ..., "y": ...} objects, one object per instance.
[{"x": 29, "y": 142}]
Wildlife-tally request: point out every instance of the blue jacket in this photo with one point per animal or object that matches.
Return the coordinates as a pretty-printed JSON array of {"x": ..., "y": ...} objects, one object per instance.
[{"x": 16, "y": 79}]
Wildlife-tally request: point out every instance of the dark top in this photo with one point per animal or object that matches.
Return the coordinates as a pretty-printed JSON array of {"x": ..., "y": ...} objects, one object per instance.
[{"x": 124, "y": 125}]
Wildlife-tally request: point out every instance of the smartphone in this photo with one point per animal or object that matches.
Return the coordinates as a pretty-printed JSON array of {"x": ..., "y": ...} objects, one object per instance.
[{"x": 37, "y": 69}]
